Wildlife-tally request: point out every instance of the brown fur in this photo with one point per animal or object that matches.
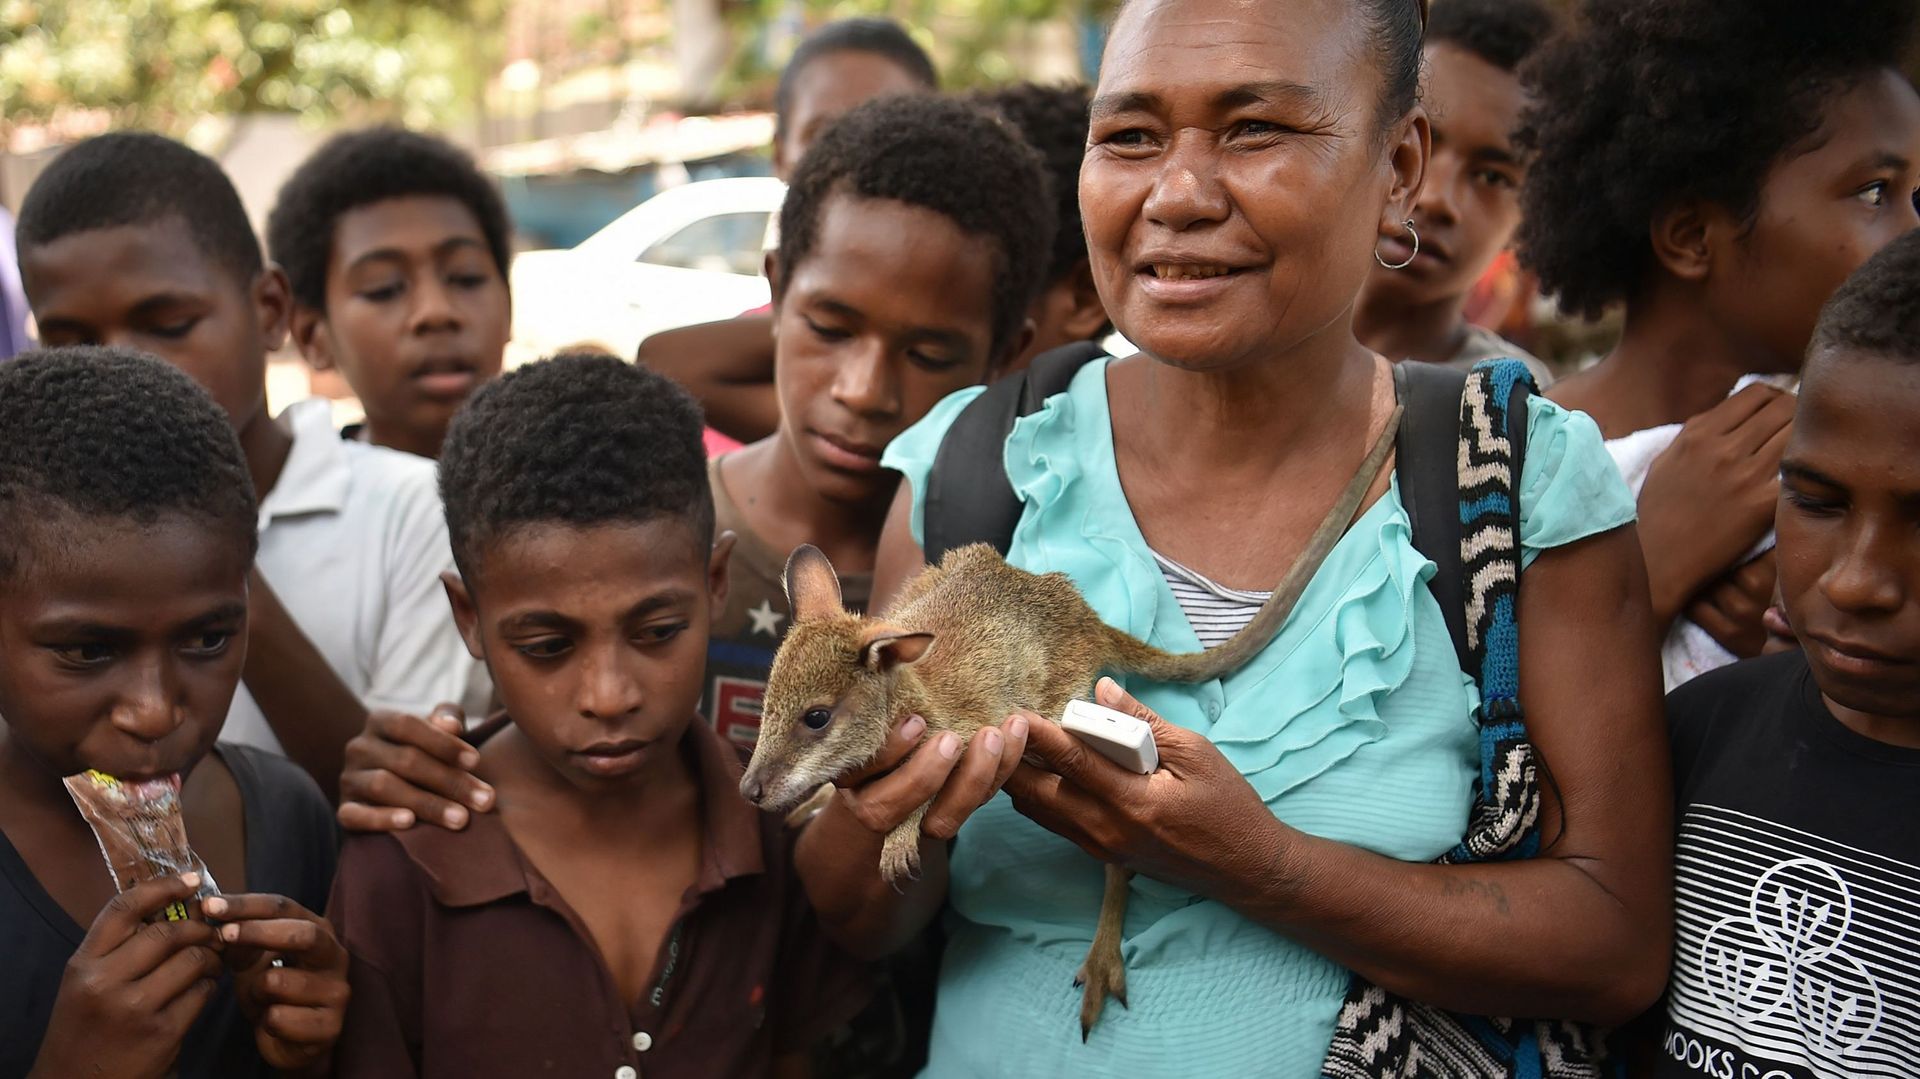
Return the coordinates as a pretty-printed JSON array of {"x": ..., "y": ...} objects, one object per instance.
[{"x": 965, "y": 644}]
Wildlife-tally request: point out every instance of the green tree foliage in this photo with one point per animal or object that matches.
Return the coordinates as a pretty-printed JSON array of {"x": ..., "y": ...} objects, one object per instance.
[
  {"x": 165, "y": 63},
  {"x": 976, "y": 42}
]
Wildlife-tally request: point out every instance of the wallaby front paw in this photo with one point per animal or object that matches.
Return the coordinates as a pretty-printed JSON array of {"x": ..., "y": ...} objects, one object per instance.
[{"x": 900, "y": 854}]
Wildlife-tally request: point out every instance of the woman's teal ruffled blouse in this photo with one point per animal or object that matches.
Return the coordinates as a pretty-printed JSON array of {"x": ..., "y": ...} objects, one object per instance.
[{"x": 1354, "y": 724}]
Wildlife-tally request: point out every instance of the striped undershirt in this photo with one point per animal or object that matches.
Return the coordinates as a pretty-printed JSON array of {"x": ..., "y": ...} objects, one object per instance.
[{"x": 1215, "y": 611}]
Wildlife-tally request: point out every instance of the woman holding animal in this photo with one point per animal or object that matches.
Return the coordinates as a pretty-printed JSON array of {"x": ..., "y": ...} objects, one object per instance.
[
  {"x": 1241, "y": 168},
  {"x": 1246, "y": 161}
]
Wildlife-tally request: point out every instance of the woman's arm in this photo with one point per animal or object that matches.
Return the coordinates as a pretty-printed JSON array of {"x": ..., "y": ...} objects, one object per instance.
[{"x": 1583, "y": 931}]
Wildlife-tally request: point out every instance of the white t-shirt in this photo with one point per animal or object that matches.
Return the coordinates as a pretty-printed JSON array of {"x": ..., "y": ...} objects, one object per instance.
[
  {"x": 1688, "y": 651},
  {"x": 353, "y": 542}
]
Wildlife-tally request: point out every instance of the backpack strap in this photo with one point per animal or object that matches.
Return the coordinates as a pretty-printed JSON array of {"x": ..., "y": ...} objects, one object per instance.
[
  {"x": 1428, "y": 465},
  {"x": 1377, "y": 1033},
  {"x": 968, "y": 498},
  {"x": 1430, "y": 483},
  {"x": 1492, "y": 455}
]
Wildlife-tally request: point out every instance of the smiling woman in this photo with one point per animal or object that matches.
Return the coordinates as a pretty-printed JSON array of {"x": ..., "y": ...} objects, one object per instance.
[{"x": 1242, "y": 169}]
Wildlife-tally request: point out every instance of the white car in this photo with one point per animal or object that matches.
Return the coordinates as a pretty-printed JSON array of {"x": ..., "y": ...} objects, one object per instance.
[{"x": 689, "y": 254}]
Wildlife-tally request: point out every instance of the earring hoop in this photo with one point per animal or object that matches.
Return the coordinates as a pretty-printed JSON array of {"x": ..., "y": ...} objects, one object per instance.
[{"x": 1410, "y": 257}]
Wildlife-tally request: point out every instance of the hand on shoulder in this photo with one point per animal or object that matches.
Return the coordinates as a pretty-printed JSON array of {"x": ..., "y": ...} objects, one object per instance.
[{"x": 402, "y": 768}]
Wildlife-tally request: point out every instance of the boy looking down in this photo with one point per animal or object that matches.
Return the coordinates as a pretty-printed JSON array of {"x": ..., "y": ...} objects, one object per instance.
[
  {"x": 622, "y": 909},
  {"x": 1798, "y": 774},
  {"x": 913, "y": 241}
]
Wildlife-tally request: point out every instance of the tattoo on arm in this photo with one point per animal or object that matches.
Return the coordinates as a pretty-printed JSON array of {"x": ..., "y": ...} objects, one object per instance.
[{"x": 1455, "y": 885}]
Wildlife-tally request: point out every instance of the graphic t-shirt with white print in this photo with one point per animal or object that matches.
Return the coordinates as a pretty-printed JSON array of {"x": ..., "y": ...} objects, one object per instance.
[{"x": 1797, "y": 950}]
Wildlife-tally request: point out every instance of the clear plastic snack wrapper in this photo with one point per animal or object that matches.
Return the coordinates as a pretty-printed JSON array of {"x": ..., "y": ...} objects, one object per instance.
[{"x": 140, "y": 831}]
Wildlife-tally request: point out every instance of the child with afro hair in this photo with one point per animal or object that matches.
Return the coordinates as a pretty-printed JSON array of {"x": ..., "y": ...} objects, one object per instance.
[{"x": 1718, "y": 169}]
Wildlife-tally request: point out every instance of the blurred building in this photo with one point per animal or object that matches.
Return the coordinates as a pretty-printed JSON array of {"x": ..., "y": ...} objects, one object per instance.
[{"x": 586, "y": 114}]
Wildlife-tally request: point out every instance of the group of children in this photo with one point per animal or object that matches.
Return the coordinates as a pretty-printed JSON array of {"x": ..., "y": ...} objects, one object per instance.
[{"x": 293, "y": 617}]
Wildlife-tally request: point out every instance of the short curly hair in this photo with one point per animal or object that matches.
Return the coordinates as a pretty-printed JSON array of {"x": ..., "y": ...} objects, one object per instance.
[
  {"x": 1504, "y": 33},
  {"x": 138, "y": 178},
  {"x": 940, "y": 154},
  {"x": 875, "y": 36},
  {"x": 579, "y": 439},
  {"x": 107, "y": 432},
  {"x": 1649, "y": 102},
  {"x": 358, "y": 169},
  {"x": 1054, "y": 120},
  {"x": 1878, "y": 310}
]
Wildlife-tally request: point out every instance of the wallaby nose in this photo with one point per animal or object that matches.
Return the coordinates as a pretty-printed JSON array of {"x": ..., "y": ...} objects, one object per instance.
[{"x": 751, "y": 789}]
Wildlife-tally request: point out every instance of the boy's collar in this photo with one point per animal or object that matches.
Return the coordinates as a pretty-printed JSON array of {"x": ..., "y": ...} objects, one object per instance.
[
  {"x": 482, "y": 864},
  {"x": 317, "y": 474}
]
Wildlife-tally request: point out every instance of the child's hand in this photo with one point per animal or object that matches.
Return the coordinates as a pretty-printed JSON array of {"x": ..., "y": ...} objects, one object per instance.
[
  {"x": 133, "y": 988},
  {"x": 289, "y": 974},
  {"x": 1711, "y": 495},
  {"x": 402, "y": 768},
  {"x": 1731, "y": 609}
]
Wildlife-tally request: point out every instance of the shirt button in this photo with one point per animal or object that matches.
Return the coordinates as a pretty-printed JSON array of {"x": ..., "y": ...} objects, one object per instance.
[
  {"x": 642, "y": 1041},
  {"x": 1213, "y": 709},
  {"x": 626, "y": 1071}
]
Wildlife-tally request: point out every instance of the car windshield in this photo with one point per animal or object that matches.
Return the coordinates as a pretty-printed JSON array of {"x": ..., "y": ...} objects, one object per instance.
[{"x": 723, "y": 243}]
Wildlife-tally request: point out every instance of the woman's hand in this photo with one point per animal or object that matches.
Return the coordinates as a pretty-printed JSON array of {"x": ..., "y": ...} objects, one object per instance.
[
  {"x": 402, "y": 768},
  {"x": 911, "y": 771},
  {"x": 838, "y": 855},
  {"x": 1196, "y": 823},
  {"x": 1711, "y": 495},
  {"x": 289, "y": 975},
  {"x": 132, "y": 988}
]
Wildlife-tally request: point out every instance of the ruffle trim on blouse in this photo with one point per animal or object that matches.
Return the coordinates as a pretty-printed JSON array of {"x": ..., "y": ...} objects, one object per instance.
[
  {"x": 1357, "y": 647},
  {"x": 1349, "y": 643}
]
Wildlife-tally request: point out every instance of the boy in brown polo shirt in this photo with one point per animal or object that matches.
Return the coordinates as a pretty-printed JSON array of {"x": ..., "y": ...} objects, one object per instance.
[{"x": 623, "y": 910}]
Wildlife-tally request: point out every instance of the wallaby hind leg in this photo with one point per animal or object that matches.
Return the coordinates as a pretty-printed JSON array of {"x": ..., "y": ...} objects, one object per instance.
[
  {"x": 900, "y": 852},
  {"x": 1103, "y": 974}
]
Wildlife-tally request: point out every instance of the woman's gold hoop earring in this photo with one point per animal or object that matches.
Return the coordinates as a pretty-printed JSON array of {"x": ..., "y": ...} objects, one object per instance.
[{"x": 1410, "y": 256}]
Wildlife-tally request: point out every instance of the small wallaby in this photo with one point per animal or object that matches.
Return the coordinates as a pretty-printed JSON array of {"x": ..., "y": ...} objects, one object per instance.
[{"x": 963, "y": 645}]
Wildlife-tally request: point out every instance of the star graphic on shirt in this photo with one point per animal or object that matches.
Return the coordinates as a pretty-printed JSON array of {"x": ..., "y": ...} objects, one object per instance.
[{"x": 765, "y": 619}]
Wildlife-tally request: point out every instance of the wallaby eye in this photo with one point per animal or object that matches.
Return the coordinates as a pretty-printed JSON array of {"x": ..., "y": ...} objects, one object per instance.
[{"x": 817, "y": 718}]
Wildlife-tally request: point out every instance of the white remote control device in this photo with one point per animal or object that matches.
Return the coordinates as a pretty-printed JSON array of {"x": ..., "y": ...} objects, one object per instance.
[{"x": 1117, "y": 736}]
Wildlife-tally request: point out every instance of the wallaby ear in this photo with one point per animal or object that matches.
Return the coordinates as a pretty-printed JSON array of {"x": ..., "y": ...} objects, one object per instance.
[
  {"x": 813, "y": 592},
  {"x": 888, "y": 647}
]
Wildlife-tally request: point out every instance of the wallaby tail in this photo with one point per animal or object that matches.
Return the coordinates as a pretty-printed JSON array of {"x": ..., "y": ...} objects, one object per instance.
[{"x": 1128, "y": 654}]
